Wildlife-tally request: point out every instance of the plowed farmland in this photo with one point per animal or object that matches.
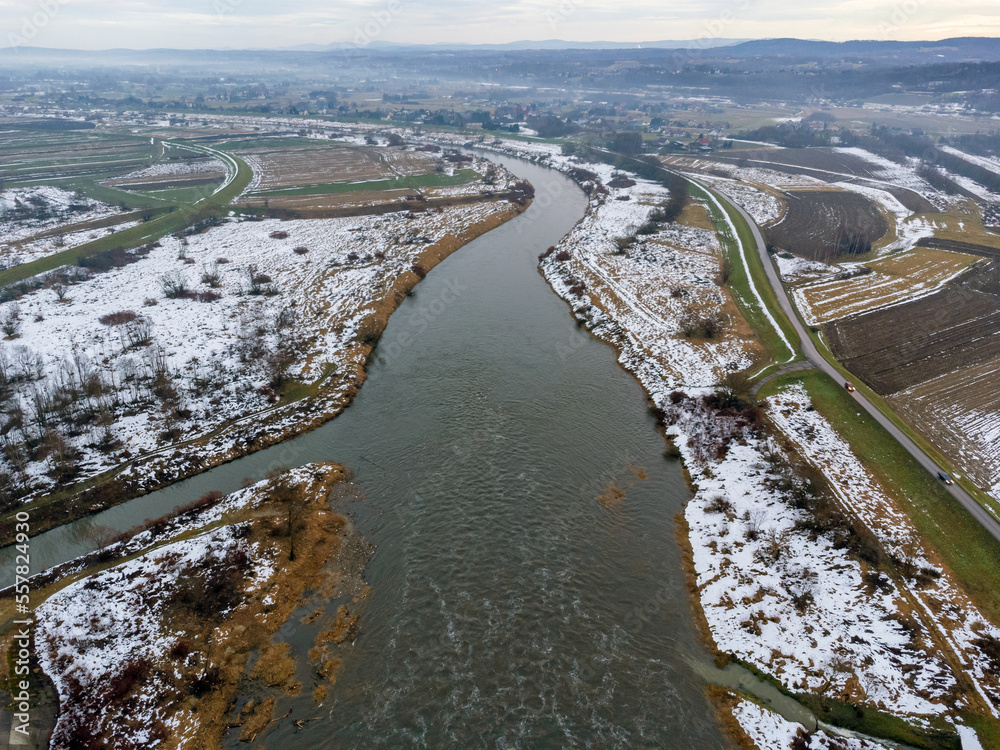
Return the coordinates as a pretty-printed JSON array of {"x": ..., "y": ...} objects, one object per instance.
[
  {"x": 898, "y": 347},
  {"x": 962, "y": 411},
  {"x": 825, "y": 224}
]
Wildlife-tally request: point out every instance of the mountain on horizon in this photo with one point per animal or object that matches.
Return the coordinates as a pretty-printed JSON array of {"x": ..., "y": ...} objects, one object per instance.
[{"x": 526, "y": 44}]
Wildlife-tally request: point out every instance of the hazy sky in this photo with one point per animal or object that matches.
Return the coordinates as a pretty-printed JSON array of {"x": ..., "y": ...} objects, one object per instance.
[{"x": 100, "y": 24}]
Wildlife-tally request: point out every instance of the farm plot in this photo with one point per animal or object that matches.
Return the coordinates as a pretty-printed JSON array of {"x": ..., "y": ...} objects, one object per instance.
[
  {"x": 961, "y": 409},
  {"x": 275, "y": 170},
  {"x": 824, "y": 163},
  {"x": 897, "y": 278},
  {"x": 31, "y": 159},
  {"x": 956, "y": 327},
  {"x": 171, "y": 173},
  {"x": 825, "y": 224}
]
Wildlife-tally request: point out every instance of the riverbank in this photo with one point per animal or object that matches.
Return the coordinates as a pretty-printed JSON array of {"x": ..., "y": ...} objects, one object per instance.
[
  {"x": 330, "y": 317},
  {"x": 814, "y": 593},
  {"x": 177, "y": 644}
]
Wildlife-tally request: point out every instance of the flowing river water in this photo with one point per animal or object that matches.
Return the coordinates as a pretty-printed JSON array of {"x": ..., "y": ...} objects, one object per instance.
[{"x": 517, "y": 600}]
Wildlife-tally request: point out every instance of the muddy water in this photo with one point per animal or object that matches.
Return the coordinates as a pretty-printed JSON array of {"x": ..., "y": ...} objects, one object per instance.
[{"x": 518, "y": 600}]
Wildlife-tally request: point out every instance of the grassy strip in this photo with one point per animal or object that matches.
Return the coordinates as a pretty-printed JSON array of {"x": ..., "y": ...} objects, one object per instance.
[
  {"x": 135, "y": 236},
  {"x": 183, "y": 194},
  {"x": 875, "y": 723},
  {"x": 461, "y": 177},
  {"x": 964, "y": 545},
  {"x": 740, "y": 285}
]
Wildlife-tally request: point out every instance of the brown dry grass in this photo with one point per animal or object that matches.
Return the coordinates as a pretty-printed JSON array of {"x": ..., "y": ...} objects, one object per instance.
[
  {"x": 254, "y": 717},
  {"x": 275, "y": 666},
  {"x": 696, "y": 215}
]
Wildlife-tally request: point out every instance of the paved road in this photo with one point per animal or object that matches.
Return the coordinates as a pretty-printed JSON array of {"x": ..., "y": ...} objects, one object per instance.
[{"x": 810, "y": 352}]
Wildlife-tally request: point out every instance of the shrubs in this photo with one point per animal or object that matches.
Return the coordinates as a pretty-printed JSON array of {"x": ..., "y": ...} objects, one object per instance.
[
  {"x": 701, "y": 325},
  {"x": 719, "y": 504},
  {"x": 419, "y": 270},
  {"x": 302, "y": 250},
  {"x": 118, "y": 318},
  {"x": 563, "y": 255},
  {"x": 174, "y": 285},
  {"x": 279, "y": 234},
  {"x": 210, "y": 275},
  {"x": 211, "y": 586}
]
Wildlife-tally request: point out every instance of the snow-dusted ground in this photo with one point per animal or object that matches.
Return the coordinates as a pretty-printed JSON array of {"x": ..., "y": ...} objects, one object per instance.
[
  {"x": 26, "y": 212},
  {"x": 33, "y": 249},
  {"x": 945, "y": 608},
  {"x": 796, "y": 607},
  {"x": 90, "y": 631},
  {"x": 798, "y": 269},
  {"x": 639, "y": 300},
  {"x": 893, "y": 281},
  {"x": 213, "y": 355},
  {"x": 763, "y": 207},
  {"x": 168, "y": 168},
  {"x": 86, "y": 633},
  {"x": 769, "y": 731}
]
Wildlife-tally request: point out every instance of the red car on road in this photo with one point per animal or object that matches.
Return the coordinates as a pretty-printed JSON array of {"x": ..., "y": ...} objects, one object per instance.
[{"x": 850, "y": 386}]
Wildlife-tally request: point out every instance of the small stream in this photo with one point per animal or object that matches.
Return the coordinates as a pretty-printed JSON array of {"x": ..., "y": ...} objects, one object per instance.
[{"x": 517, "y": 601}]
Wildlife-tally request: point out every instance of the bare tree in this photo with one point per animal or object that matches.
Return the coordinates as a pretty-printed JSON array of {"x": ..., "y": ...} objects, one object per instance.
[{"x": 290, "y": 495}]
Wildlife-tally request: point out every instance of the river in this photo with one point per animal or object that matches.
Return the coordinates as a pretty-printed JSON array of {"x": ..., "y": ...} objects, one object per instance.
[{"x": 527, "y": 582}]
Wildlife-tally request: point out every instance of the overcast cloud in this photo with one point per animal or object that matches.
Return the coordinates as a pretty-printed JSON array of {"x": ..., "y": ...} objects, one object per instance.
[{"x": 101, "y": 24}]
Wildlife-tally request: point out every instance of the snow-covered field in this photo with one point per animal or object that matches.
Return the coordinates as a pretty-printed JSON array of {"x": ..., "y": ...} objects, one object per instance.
[
  {"x": 169, "y": 168},
  {"x": 763, "y": 207},
  {"x": 111, "y": 390},
  {"x": 27, "y": 212}
]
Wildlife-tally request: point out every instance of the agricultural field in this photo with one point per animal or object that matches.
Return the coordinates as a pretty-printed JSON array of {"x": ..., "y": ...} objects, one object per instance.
[
  {"x": 888, "y": 281},
  {"x": 961, "y": 409},
  {"x": 952, "y": 328},
  {"x": 823, "y": 225},
  {"x": 939, "y": 368},
  {"x": 71, "y": 160},
  {"x": 320, "y": 176}
]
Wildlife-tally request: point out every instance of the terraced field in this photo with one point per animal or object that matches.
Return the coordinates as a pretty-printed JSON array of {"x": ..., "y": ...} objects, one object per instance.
[{"x": 824, "y": 224}]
